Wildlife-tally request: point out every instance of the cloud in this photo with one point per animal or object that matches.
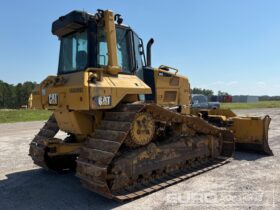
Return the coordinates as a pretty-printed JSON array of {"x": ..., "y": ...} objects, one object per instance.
[
  {"x": 217, "y": 83},
  {"x": 261, "y": 83},
  {"x": 222, "y": 83},
  {"x": 232, "y": 83}
]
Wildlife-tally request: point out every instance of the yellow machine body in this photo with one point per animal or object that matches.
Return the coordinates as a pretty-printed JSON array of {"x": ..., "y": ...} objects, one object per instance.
[
  {"x": 172, "y": 90},
  {"x": 74, "y": 97},
  {"x": 251, "y": 133}
]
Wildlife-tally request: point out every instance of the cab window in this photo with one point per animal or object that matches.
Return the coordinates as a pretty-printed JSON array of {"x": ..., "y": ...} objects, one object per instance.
[
  {"x": 137, "y": 51},
  {"x": 122, "y": 49},
  {"x": 73, "y": 53}
]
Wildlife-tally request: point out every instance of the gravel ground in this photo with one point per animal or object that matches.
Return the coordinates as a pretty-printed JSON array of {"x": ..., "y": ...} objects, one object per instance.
[{"x": 250, "y": 181}]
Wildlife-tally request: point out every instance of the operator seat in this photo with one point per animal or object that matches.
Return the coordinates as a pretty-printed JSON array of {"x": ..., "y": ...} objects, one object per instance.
[{"x": 81, "y": 59}]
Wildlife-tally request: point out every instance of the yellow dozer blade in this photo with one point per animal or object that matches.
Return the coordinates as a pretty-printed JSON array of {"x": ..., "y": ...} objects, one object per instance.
[{"x": 251, "y": 133}]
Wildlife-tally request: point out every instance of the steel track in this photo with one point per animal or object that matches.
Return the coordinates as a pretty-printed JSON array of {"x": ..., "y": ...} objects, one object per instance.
[{"x": 98, "y": 154}]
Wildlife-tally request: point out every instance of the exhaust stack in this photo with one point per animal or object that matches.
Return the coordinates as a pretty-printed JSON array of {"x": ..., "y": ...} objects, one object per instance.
[{"x": 149, "y": 45}]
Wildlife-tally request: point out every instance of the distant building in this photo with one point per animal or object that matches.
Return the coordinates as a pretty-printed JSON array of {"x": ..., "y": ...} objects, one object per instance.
[
  {"x": 221, "y": 99},
  {"x": 245, "y": 99}
]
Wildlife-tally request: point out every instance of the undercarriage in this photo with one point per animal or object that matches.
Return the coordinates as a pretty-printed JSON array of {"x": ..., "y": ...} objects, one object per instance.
[{"x": 138, "y": 149}]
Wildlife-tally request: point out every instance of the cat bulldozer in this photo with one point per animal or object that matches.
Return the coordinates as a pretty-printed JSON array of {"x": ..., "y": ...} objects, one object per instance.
[{"x": 130, "y": 127}]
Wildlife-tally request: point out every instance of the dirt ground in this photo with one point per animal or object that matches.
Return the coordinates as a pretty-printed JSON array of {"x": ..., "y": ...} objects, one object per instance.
[{"x": 250, "y": 181}]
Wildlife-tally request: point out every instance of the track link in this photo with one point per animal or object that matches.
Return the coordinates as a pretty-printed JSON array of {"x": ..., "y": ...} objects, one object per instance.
[
  {"x": 140, "y": 189},
  {"x": 98, "y": 160},
  {"x": 37, "y": 149},
  {"x": 100, "y": 149}
]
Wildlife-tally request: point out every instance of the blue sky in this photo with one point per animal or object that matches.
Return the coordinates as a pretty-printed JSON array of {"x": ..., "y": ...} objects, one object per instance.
[{"x": 226, "y": 45}]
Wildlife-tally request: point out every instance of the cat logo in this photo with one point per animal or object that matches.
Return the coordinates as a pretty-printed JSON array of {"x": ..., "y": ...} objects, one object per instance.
[{"x": 103, "y": 100}]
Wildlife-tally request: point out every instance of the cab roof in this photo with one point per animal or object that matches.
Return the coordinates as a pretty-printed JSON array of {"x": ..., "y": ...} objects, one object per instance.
[{"x": 73, "y": 21}]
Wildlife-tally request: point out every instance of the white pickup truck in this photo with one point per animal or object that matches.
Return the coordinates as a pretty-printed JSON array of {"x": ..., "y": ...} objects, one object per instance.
[{"x": 200, "y": 101}]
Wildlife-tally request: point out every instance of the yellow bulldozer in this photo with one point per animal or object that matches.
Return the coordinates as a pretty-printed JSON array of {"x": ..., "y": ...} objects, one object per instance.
[{"x": 131, "y": 129}]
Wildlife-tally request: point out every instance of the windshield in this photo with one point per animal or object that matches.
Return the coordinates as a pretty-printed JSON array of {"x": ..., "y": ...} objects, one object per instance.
[
  {"x": 199, "y": 99},
  {"x": 73, "y": 52}
]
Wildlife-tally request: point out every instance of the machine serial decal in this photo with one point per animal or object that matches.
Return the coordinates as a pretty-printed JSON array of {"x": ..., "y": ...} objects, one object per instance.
[{"x": 53, "y": 99}]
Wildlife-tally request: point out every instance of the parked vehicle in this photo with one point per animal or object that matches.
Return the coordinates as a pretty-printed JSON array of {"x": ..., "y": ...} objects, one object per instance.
[{"x": 201, "y": 102}]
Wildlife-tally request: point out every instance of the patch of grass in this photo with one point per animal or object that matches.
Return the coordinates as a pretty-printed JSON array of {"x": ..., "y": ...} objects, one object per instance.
[
  {"x": 18, "y": 115},
  {"x": 255, "y": 105}
]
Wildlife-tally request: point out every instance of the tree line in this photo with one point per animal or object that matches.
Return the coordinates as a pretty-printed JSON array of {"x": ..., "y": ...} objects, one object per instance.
[
  {"x": 208, "y": 92},
  {"x": 15, "y": 96},
  {"x": 269, "y": 98}
]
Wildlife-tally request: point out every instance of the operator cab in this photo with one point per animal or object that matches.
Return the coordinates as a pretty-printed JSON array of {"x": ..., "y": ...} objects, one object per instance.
[{"x": 84, "y": 44}]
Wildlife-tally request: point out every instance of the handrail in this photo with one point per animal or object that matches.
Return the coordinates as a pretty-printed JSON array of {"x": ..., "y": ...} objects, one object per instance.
[{"x": 163, "y": 67}]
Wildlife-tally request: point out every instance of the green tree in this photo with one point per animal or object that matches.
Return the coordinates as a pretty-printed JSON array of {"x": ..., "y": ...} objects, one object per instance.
[
  {"x": 206, "y": 92},
  {"x": 221, "y": 93},
  {"x": 14, "y": 96}
]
